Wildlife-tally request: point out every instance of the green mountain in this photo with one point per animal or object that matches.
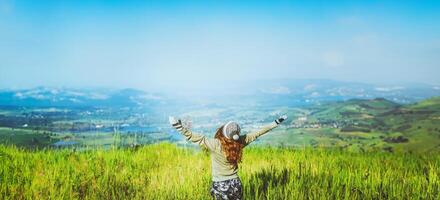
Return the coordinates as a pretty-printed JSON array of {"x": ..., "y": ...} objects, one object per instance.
[
  {"x": 355, "y": 109},
  {"x": 428, "y": 104},
  {"x": 374, "y": 124}
]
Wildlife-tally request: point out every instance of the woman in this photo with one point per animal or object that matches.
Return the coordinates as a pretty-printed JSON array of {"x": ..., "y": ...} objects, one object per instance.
[{"x": 225, "y": 150}]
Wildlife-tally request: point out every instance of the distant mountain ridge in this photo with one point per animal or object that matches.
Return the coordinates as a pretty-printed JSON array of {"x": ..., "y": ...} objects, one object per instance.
[
  {"x": 68, "y": 97},
  {"x": 260, "y": 93}
]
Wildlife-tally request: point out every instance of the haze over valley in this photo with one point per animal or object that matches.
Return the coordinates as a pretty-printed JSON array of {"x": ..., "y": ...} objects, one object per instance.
[{"x": 322, "y": 113}]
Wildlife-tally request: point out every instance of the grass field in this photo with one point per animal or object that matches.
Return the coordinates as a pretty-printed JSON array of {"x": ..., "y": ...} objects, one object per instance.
[{"x": 164, "y": 171}]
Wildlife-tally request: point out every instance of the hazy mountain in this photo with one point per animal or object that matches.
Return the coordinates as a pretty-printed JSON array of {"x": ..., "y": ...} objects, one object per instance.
[
  {"x": 68, "y": 97},
  {"x": 317, "y": 90},
  {"x": 261, "y": 93}
]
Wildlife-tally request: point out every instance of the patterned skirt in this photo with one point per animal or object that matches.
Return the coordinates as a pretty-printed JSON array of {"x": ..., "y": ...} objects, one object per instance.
[{"x": 229, "y": 189}]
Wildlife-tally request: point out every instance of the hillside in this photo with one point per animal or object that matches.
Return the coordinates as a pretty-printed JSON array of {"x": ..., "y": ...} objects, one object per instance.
[
  {"x": 354, "y": 109},
  {"x": 432, "y": 103},
  {"x": 371, "y": 124}
]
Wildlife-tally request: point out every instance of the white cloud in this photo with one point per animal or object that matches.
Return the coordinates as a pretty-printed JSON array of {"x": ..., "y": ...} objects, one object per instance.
[
  {"x": 151, "y": 97},
  {"x": 310, "y": 87},
  {"x": 388, "y": 89},
  {"x": 315, "y": 94},
  {"x": 97, "y": 96},
  {"x": 19, "y": 95},
  {"x": 277, "y": 90},
  {"x": 333, "y": 59}
]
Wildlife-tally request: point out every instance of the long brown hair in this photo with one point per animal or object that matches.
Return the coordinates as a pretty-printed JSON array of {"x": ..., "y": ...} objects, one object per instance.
[{"x": 231, "y": 148}]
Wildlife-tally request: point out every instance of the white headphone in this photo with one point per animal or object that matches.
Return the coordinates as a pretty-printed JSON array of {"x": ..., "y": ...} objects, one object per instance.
[{"x": 234, "y": 137}]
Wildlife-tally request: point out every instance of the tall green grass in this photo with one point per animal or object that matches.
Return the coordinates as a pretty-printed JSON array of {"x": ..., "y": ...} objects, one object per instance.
[{"x": 164, "y": 171}]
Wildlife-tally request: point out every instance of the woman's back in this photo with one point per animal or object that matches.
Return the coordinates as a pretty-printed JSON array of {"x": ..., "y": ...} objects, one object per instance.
[{"x": 222, "y": 169}]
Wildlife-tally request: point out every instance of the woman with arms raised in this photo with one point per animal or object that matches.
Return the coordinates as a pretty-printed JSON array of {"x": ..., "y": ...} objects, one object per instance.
[{"x": 226, "y": 151}]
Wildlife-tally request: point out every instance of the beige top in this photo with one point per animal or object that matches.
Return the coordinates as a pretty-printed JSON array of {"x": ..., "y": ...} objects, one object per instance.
[{"x": 221, "y": 168}]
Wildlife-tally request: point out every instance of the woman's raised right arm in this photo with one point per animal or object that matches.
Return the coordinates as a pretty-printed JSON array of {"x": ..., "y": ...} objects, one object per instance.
[{"x": 199, "y": 139}]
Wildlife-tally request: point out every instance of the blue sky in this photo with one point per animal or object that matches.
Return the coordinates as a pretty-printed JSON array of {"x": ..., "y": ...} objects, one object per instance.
[{"x": 189, "y": 44}]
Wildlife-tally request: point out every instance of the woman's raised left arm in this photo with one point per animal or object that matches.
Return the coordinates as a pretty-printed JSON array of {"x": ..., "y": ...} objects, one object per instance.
[{"x": 248, "y": 138}]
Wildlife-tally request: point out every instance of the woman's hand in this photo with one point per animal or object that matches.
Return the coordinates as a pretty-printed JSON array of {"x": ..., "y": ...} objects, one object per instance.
[
  {"x": 281, "y": 119},
  {"x": 177, "y": 124}
]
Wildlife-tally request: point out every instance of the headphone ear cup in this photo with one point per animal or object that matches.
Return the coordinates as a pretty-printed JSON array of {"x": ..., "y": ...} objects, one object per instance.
[{"x": 235, "y": 137}]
